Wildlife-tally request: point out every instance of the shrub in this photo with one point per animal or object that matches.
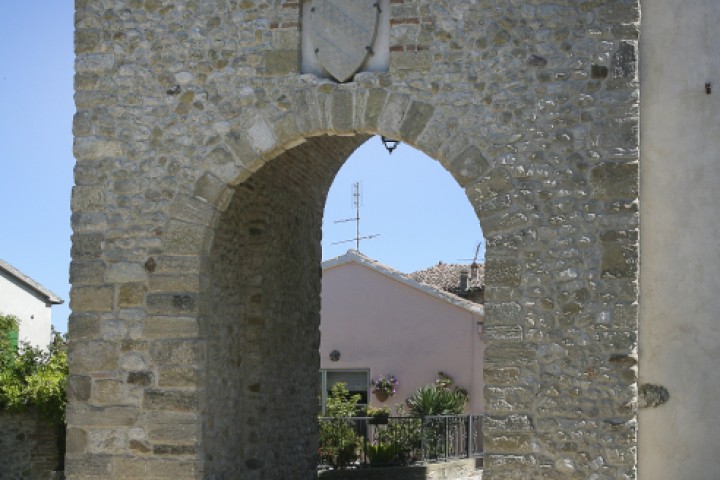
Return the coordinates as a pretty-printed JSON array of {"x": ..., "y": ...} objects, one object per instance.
[
  {"x": 439, "y": 398},
  {"x": 33, "y": 378},
  {"x": 339, "y": 442}
]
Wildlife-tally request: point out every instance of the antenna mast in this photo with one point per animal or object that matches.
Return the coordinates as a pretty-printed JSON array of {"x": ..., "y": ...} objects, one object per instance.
[{"x": 357, "y": 202}]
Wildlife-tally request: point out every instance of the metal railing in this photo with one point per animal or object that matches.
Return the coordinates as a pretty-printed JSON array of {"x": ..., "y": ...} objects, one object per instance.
[{"x": 352, "y": 442}]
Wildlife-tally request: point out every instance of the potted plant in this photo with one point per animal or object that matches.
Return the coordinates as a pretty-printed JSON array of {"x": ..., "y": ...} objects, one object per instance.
[
  {"x": 378, "y": 416},
  {"x": 384, "y": 387}
]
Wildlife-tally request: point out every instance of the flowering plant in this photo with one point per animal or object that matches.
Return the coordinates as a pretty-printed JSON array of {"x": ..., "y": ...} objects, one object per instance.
[
  {"x": 385, "y": 385},
  {"x": 378, "y": 412}
]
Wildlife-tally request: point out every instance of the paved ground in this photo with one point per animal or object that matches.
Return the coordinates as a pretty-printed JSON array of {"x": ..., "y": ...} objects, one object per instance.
[{"x": 475, "y": 476}]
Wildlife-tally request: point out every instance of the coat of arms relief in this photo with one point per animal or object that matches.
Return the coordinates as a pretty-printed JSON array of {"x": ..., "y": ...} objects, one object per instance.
[{"x": 343, "y": 37}]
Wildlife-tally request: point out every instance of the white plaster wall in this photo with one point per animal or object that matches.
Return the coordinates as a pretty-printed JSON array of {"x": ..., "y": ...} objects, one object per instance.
[
  {"x": 34, "y": 314},
  {"x": 381, "y": 324},
  {"x": 680, "y": 238}
]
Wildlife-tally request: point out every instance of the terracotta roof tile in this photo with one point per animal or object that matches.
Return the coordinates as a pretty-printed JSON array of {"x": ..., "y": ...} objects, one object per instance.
[{"x": 446, "y": 276}]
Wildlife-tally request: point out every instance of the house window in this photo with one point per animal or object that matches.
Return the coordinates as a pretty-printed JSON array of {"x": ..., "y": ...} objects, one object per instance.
[{"x": 357, "y": 382}]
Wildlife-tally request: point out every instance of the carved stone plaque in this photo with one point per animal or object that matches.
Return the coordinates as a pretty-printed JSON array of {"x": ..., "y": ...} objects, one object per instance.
[{"x": 343, "y": 32}]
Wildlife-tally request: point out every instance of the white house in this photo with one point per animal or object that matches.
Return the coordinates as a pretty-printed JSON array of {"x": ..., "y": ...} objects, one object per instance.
[
  {"x": 29, "y": 301},
  {"x": 378, "y": 321}
]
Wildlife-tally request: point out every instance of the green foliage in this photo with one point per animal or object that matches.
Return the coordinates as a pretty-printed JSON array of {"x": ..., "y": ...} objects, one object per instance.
[
  {"x": 8, "y": 325},
  {"x": 440, "y": 398},
  {"x": 383, "y": 453},
  {"x": 339, "y": 442},
  {"x": 402, "y": 436},
  {"x": 378, "y": 412},
  {"x": 340, "y": 403},
  {"x": 33, "y": 378}
]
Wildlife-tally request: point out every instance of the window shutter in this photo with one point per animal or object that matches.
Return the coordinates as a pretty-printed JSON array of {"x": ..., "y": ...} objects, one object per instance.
[{"x": 13, "y": 338}]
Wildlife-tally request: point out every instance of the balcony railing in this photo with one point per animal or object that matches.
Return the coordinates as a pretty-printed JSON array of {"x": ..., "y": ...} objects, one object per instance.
[{"x": 352, "y": 442}]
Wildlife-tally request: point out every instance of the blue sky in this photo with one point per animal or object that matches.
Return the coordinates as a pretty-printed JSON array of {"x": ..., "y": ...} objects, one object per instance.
[{"x": 420, "y": 213}]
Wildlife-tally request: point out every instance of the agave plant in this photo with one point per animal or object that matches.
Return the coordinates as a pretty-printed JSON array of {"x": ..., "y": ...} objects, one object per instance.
[{"x": 436, "y": 400}]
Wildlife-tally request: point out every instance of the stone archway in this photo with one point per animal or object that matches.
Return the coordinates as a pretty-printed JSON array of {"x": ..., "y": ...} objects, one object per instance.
[{"x": 541, "y": 137}]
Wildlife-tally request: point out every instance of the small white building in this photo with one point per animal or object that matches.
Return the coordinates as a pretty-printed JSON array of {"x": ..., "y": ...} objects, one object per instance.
[
  {"x": 378, "y": 321},
  {"x": 30, "y": 302}
]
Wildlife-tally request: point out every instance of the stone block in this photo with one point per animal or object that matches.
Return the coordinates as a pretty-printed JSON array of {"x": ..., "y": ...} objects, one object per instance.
[
  {"x": 174, "y": 429},
  {"x": 172, "y": 304},
  {"x": 160, "y": 327},
  {"x": 501, "y": 375},
  {"x": 92, "y": 299},
  {"x": 213, "y": 190},
  {"x": 178, "y": 376},
  {"x": 89, "y": 148},
  {"x": 175, "y": 283},
  {"x": 121, "y": 272},
  {"x": 75, "y": 440},
  {"x": 141, "y": 379},
  {"x": 184, "y": 238},
  {"x": 87, "y": 246},
  {"x": 92, "y": 356},
  {"x": 84, "y": 326},
  {"x": 502, "y": 273},
  {"x": 281, "y": 62},
  {"x": 86, "y": 40},
  {"x": 79, "y": 388},
  {"x": 87, "y": 273},
  {"x": 504, "y": 332},
  {"x": 108, "y": 391},
  {"x": 94, "y": 62},
  {"x": 619, "y": 259},
  {"x": 614, "y": 181},
  {"x": 343, "y": 102},
  {"x": 468, "y": 165},
  {"x": 176, "y": 352},
  {"x": 108, "y": 416},
  {"x": 87, "y": 198},
  {"x": 510, "y": 354},
  {"x": 415, "y": 121},
  {"x": 132, "y": 295},
  {"x": 509, "y": 423},
  {"x": 170, "y": 400},
  {"x": 106, "y": 440},
  {"x": 374, "y": 105},
  {"x": 87, "y": 465},
  {"x": 511, "y": 443}
]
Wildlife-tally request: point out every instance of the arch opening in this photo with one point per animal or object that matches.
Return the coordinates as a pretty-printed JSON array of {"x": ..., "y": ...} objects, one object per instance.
[{"x": 260, "y": 316}]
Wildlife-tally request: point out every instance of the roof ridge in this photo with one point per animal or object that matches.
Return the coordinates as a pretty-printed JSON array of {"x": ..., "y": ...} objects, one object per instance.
[
  {"x": 357, "y": 257},
  {"x": 49, "y": 295}
]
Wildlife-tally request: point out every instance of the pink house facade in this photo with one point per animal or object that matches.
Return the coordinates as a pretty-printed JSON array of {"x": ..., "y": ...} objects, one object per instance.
[{"x": 378, "y": 321}]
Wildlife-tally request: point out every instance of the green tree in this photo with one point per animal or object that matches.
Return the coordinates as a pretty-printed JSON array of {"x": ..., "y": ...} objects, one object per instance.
[
  {"x": 31, "y": 377},
  {"x": 339, "y": 442}
]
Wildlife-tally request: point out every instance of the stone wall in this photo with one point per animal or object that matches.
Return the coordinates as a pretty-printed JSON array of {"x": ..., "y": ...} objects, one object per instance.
[
  {"x": 28, "y": 446},
  {"x": 203, "y": 159}
]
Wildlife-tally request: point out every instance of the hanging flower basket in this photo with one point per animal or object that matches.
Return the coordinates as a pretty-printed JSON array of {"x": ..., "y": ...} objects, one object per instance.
[{"x": 384, "y": 387}]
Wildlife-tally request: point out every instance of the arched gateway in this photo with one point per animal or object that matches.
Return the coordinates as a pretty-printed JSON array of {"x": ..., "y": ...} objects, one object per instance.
[{"x": 204, "y": 155}]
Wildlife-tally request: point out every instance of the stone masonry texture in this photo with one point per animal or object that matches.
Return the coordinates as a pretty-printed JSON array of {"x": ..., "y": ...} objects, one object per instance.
[
  {"x": 28, "y": 447},
  {"x": 203, "y": 161}
]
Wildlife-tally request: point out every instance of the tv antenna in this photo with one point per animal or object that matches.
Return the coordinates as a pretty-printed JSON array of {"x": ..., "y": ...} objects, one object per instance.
[
  {"x": 477, "y": 253},
  {"x": 357, "y": 203}
]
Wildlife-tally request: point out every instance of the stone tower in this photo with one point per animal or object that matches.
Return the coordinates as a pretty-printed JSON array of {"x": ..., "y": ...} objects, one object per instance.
[{"x": 207, "y": 135}]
